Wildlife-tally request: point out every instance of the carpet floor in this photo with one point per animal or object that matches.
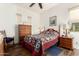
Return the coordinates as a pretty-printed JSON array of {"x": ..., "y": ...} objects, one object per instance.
[{"x": 54, "y": 51}]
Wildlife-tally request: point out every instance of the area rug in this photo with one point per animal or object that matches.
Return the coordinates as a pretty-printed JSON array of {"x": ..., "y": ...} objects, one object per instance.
[{"x": 54, "y": 51}]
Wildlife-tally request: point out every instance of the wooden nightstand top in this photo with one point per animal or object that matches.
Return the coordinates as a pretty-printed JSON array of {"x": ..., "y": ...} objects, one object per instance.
[{"x": 66, "y": 37}]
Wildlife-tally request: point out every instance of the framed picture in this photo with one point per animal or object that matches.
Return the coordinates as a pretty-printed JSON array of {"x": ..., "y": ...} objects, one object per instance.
[{"x": 52, "y": 21}]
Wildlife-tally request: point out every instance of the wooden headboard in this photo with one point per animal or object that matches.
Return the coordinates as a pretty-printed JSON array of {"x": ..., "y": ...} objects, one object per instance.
[
  {"x": 49, "y": 30},
  {"x": 52, "y": 30}
]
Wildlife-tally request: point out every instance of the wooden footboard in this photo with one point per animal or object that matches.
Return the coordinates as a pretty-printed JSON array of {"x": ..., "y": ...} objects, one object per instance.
[
  {"x": 48, "y": 45},
  {"x": 43, "y": 47}
]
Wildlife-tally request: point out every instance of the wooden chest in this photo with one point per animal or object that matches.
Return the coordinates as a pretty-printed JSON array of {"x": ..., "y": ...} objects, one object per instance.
[
  {"x": 24, "y": 30},
  {"x": 65, "y": 43}
]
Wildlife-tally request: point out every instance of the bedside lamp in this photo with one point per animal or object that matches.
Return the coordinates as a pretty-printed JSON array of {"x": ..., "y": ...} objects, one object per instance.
[{"x": 68, "y": 27}]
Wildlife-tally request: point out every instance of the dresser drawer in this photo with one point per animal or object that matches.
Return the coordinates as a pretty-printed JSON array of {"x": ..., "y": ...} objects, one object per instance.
[
  {"x": 68, "y": 46},
  {"x": 23, "y": 27}
]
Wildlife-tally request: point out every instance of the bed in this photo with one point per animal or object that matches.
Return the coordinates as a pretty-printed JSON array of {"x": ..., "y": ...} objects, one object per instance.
[{"x": 39, "y": 43}]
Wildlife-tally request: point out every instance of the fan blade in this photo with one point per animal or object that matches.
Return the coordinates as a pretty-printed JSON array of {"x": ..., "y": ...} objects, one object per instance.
[
  {"x": 40, "y": 4},
  {"x": 31, "y": 4}
]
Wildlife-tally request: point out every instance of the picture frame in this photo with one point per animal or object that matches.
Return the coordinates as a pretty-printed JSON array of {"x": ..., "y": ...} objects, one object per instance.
[{"x": 52, "y": 21}]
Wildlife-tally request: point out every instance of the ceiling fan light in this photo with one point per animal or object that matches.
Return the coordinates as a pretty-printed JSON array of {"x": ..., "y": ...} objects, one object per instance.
[{"x": 40, "y": 5}]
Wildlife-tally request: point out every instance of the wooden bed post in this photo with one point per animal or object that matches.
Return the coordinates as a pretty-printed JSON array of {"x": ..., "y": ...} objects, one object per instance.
[{"x": 59, "y": 29}]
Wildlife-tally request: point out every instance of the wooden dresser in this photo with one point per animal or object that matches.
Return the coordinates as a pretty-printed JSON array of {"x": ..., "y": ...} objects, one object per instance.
[
  {"x": 23, "y": 31},
  {"x": 66, "y": 42}
]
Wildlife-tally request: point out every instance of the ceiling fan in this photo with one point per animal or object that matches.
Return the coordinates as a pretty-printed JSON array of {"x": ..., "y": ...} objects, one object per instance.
[{"x": 40, "y": 5}]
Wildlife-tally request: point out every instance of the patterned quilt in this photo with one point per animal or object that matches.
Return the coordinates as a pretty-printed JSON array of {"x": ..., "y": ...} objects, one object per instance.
[{"x": 37, "y": 40}]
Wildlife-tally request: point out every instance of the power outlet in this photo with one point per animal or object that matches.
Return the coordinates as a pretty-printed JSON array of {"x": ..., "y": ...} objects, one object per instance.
[{"x": 76, "y": 43}]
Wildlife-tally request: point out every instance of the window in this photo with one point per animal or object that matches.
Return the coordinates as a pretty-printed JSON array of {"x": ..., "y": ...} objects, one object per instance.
[
  {"x": 75, "y": 27},
  {"x": 18, "y": 17},
  {"x": 74, "y": 16}
]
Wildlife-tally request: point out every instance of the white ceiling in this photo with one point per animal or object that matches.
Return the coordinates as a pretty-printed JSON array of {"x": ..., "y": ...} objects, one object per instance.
[
  {"x": 47, "y": 6},
  {"x": 36, "y": 8}
]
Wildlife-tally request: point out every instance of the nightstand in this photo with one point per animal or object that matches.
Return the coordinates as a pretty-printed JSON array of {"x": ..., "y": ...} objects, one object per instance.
[{"x": 65, "y": 42}]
